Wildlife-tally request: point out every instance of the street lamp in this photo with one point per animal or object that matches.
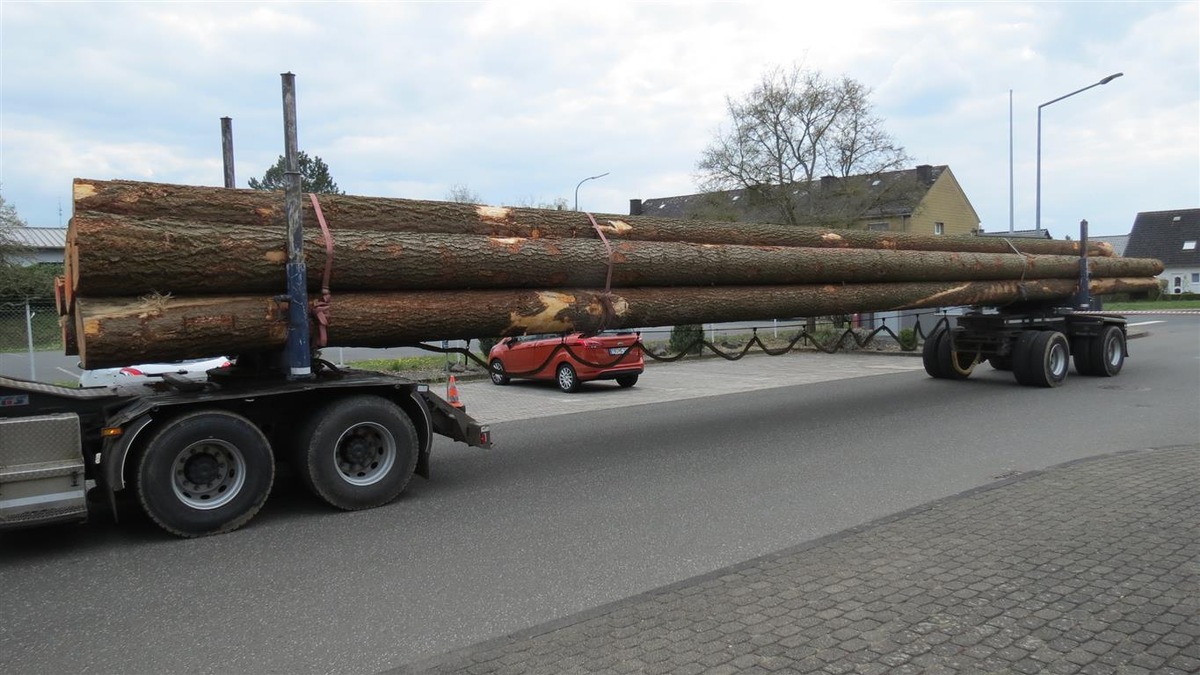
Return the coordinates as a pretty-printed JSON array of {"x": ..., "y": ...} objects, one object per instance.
[
  {"x": 1038, "y": 216},
  {"x": 584, "y": 181}
]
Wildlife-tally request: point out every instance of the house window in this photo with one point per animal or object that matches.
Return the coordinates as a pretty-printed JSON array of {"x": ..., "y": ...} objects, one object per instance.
[
  {"x": 1189, "y": 245},
  {"x": 1196, "y": 277},
  {"x": 878, "y": 227},
  {"x": 939, "y": 228}
]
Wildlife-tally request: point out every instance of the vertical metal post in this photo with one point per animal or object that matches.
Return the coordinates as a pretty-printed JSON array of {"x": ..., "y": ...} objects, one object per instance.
[
  {"x": 29, "y": 338},
  {"x": 1010, "y": 161},
  {"x": 227, "y": 150},
  {"x": 1084, "y": 299},
  {"x": 299, "y": 357}
]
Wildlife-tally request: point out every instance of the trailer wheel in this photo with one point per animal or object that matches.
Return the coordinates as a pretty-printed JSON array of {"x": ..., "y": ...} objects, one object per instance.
[
  {"x": 205, "y": 472},
  {"x": 1106, "y": 352},
  {"x": 358, "y": 452},
  {"x": 496, "y": 372},
  {"x": 1047, "y": 357},
  {"x": 566, "y": 378},
  {"x": 929, "y": 353}
]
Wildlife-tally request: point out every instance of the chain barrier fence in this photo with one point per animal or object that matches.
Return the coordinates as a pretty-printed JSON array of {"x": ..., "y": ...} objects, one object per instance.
[
  {"x": 825, "y": 335},
  {"x": 27, "y": 326}
]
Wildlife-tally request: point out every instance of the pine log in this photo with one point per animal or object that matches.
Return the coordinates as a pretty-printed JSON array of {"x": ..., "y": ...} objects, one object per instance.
[
  {"x": 345, "y": 212},
  {"x": 128, "y": 256},
  {"x": 120, "y": 331}
]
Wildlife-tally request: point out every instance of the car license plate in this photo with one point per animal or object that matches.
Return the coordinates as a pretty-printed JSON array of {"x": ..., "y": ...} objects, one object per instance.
[{"x": 617, "y": 351}]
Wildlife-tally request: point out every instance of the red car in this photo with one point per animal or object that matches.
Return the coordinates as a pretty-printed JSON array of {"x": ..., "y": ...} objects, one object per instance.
[{"x": 568, "y": 359}]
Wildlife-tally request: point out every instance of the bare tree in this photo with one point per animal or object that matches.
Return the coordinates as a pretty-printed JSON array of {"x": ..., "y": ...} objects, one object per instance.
[
  {"x": 463, "y": 194},
  {"x": 793, "y": 129},
  {"x": 9, "y": 221}
]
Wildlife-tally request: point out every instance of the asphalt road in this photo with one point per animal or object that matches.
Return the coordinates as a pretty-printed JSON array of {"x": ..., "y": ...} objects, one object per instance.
[{"x": 569, "y": 511}]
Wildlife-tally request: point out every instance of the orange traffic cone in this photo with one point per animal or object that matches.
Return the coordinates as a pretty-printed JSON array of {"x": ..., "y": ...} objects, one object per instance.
[{"x": 452, "y": 393}]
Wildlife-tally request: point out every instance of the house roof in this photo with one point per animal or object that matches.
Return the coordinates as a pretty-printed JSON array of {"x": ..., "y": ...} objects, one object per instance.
[
  {"x": 1117, "y": 241},
  {"x": 1164, "y": 235},
  {"x": 1020, "y": 234},
  {"x": 894, "y": 193},
  {"x": 38, "y": 237}
]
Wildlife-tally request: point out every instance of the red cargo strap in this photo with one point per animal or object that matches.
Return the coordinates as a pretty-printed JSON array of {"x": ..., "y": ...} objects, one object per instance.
[
  {"x": 606, "y": 296},
  {"x": 320, "y": 308}
]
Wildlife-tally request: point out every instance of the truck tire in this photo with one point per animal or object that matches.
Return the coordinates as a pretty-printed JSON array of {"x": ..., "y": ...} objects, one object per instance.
[
  {"x": 929, "y": 353},
  {"x": 1048, "y": 358},
  {"x": 998, "y": 362},
  {"x": 566, "y": 378},
  {"x": 358, "y": 452},
  {"x": 953, "y": 365},
  {"x": 1021, "y": 368},
  {"x": 204, "y": 472},
  {"x": 1106, "y": 352}
]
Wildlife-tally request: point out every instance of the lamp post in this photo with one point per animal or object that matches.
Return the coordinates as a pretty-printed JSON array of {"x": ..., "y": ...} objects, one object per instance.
[
  {"x": 1038, "y": 216},
  {"x": 584, "y": 181}
]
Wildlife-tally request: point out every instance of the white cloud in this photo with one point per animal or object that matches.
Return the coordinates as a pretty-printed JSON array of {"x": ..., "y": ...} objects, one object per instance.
[{"x": 519, "y": 100}]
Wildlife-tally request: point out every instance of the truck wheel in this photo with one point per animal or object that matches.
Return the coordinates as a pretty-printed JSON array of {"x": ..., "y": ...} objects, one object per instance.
[
  {"x": 496, "y": 372},
  {"x": 1106, "y": 352},
  {"x": 205, "y": 472},
  {"x": 953, "y": 365},
  {"x": 929, "y": 353},
  {"x": 358, "y": 452},
  {"x": 566, "y": 378},
  {"x": 1048, "y": 359},
  {"x": 627, "y": 381},
  {"x": 1021, "y": 357}
]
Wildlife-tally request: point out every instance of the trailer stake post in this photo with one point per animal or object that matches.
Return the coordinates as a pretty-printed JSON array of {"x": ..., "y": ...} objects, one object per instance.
[{"x": 299, "y": 357}]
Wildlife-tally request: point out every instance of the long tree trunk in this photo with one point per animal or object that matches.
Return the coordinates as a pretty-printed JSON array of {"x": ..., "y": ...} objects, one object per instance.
[
  {"x": 343, "y": 212},
  {"x": 126, "y": 256},
  {"x": 115, "y": 332}
]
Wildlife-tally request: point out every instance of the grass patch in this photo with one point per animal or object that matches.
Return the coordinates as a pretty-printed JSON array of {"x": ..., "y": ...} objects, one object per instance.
[
  {"x": 404, "y": 363},
  {"x": 1150, "y": 305}
]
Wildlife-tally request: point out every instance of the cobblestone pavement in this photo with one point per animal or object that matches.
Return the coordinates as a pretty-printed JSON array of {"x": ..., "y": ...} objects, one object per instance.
[{"x": 1088, "y": 567}]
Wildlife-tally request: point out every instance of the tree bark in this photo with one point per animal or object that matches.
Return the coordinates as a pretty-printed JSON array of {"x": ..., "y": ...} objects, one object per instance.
[
  {"x": 344, "y": 212},
  {"x": 128, "y": 256},
  {"x": 120, "y": 331}
]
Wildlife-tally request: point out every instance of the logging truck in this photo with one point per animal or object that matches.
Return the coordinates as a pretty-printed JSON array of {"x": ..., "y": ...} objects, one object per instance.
[{"x": 200, "y": 457}]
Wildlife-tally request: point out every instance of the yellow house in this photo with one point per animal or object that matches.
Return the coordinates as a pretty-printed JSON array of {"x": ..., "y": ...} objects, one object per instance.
[{"x": 923, "y": 200}]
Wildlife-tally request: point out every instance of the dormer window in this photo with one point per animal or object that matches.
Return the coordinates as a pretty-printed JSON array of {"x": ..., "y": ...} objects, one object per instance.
[{"x": 1189, "y": 245}]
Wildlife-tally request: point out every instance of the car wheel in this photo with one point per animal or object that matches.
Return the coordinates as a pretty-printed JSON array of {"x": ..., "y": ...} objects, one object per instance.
[
  {"x": 627, "y": 381},
  {"x": 566, "y": 378},
  {"x": 496, "y": 372}
]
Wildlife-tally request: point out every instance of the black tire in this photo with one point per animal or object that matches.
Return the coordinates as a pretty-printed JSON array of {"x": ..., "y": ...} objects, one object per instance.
[
  {"x": 566, "y": 378},
  {"x": 627, "y": 381},
  {"x": 951, "y": 364},
  {"x": 929, "y": 353},
  {"x": 1001, "y": 362},
  {"x": 358, "y": 452},
  {"x": 1021, "y": 357},
  {"x": 1081, "y": 354},
  {"x": 204, "y": 472},
  {"x": 1048, "y": 359},
  {"x": 1106, "y": 352},
  {"x": 496, "y": 372}
]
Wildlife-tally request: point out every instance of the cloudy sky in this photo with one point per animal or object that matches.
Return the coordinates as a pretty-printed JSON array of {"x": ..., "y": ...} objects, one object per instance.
[{"x": 519, "y": 101}]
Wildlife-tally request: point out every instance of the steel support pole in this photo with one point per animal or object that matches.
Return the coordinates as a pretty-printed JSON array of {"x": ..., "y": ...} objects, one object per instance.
[{"x": 299, "y": 356}]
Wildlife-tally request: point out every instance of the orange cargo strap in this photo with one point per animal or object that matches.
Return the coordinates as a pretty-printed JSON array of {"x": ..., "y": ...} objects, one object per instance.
[{"x": 320, "y": 308}]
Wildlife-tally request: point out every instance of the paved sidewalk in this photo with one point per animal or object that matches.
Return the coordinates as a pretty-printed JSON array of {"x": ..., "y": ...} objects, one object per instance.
[{"x": 1088, "y": 567}]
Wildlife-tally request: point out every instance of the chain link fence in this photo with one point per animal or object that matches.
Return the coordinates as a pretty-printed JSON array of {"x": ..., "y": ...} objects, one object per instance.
[{"x": 27, "y": 326}]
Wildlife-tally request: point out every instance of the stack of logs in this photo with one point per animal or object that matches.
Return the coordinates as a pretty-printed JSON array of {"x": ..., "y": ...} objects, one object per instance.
[{"x": 165, "y": 272}]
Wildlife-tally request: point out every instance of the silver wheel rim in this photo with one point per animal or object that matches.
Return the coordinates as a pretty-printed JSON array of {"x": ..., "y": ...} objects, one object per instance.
[
  {"x": 497, "y": 372},
  {"x": 365, "y": 454},
  {"x": 208, "y": 474},
  {"x": 565, "y": 378},
  {"x": 1112, "y": 352},
  {"x": 1058, "y": 359}
]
